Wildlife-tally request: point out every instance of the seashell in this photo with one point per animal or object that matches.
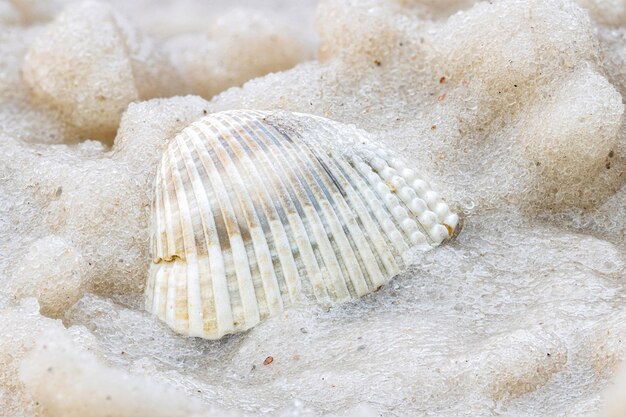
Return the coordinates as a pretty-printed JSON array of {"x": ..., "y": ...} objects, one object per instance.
[{"x": 254, "y": 211}]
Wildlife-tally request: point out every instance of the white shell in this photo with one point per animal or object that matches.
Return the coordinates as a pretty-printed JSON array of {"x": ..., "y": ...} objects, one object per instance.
[{"x": 254, "y": 210}]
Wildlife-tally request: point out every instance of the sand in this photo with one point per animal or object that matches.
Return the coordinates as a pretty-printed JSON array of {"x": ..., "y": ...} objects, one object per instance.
[{"x": 512, "y": 109}]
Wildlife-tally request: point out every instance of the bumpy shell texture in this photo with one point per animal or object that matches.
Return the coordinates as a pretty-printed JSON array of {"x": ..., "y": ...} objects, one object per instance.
[{"x": 255, "y": 210}]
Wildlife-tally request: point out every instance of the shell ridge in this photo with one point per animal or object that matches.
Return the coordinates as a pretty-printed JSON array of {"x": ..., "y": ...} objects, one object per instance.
[
  {"x": 177, "y": 305},
  {"x": 348, "y": 206},
  {"x": 385, "y": 173},
  {"x": 217, "y": 290},
  {"x": 157, "y": 235},
  {"x": 341, "y": 219},
  {"x": 316, "y": 235},
  {"x": 244, "y": 297},
  {"x": 425, "y": 204},
  {"x": 202, "y": 305},
  {"x": 277, "y": 219},
  {"x": 293, "y": 211},
  {"x": 194, "y": 303},
  {"x": 260, "y": 270},
  {"x": 171, "y": 213},
  {"x": 383, "y": 211},
  {"x": 271, "y": 289},
  {"x": 347, "y": 150},
  {"x": 318, "y": 227},
  {"x": 418, "y": 236},
  {"x": 209, "y": 257},
  {"x": 164, "y": 212},
  {"x": 334, "y": 207},
  {"x": 374, "y": 232},
  {"x": 373, "y": 218},
  {"x": 170, "y": 299},
  {"x": 161, "y": 279},
  {"x": 377, "y": 241}
]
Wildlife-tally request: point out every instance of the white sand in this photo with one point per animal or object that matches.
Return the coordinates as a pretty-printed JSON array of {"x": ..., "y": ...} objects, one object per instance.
[{"x": 513, "y": 109}]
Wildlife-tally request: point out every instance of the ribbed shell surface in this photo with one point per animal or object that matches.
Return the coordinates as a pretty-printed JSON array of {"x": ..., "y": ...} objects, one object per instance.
[{"x": 255, "y": 210}]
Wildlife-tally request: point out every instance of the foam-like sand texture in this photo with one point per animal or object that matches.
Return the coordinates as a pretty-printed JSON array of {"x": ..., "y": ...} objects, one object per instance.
[{"x": 513, "y": 109}]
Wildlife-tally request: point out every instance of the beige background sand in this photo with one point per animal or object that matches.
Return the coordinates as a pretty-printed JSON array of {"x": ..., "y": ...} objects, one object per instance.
[{"x": 513, "y": 109}]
